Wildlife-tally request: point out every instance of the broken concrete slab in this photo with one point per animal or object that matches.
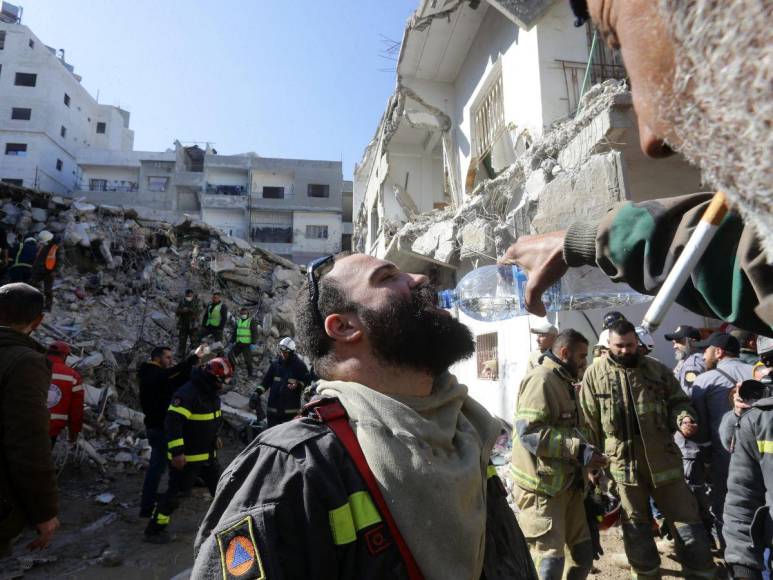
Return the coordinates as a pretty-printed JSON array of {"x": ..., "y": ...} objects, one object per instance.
[{"x": 476, "y": 240}]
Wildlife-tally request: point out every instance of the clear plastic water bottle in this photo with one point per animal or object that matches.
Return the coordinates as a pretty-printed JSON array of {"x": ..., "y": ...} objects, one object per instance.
[{"x": 497, "y": 292}]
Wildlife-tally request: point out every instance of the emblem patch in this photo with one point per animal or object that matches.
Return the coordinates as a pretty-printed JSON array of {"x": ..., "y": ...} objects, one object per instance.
[
  {"x": 690, "y": 377},
  {"x": 54, "y": 395},
  {"x": 239, "y": 554},
  {"x": 376, "y": 541}
]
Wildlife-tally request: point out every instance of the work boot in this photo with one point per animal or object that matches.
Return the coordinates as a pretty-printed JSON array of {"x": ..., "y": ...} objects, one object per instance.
[{"x": 161, "y": 537}]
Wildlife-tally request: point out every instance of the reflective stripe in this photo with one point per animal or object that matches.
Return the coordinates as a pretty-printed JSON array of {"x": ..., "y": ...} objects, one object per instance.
[
  {"x": 534, "y": 414},
  {"x": 292, "y": 411},
  {"x": 491, "y": 471},
  {"x": 182, "y": 410},
  {"x": 61, "y": 377},
  {"x": 765, "y": 446},
  {"x": 175, "y": 443},
  {"x": 192, "y": 458},
  {"x": 59, "y": 416},
  {"x": 162, "y": 519},
  {"x": 77, "y": 388},
  {"x": 670, "y": 474},
  {"x": 357, "y": 514},
  {"x": 204, "y": 416}
]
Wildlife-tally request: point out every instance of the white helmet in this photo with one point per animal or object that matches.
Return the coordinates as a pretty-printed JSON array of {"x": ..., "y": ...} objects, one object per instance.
[
  {"x": 45, "y": 236},
  {"x": 603, "y": 338},
  {"x": 645, "y": 338},
  {"x": 287, "y": 343},
  {"x": 541, "y": 326}
]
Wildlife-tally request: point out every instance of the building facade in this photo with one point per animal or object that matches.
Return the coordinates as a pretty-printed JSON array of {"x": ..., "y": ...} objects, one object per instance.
[
  {"x": 467, "y": 157},
  {"x": 46, "y": 116}
]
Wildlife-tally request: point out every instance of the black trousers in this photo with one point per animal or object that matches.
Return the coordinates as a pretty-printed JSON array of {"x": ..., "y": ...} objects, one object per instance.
[
  {"x": 181, "y": 482},
  {"x": 241, "y": 348}
]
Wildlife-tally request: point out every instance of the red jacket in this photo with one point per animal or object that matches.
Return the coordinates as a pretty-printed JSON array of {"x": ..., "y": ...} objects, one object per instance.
[{"x": 65, "y": 398}]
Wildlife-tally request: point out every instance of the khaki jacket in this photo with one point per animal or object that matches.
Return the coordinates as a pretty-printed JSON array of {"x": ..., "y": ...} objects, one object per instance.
[
  {"x": 546, "y": 441},
  {"x": 623, "y": 407}
]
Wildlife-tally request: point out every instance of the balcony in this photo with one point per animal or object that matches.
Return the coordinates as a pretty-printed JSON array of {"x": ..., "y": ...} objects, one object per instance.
[
  {"x": 574, "y": 73},
  {"x": 192, "y": 179},
  {"x": 100, "y": 185},
  {"x": 212, "y": 188}
]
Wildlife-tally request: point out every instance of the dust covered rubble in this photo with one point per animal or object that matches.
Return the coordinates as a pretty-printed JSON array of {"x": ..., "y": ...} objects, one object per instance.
[
  {"x": 535, "y": 193},
  {"x": 122, "y": 273}
]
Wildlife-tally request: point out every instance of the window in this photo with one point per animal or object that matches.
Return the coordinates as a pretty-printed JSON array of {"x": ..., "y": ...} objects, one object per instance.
[
  {"x": 18, "y": 149},
  {"x": 2, "y": 42},
  {"x": 271, "y": 192},
  {"x": 97, "y": 184},
  {"x": 486, "y": 352},
  {"x": 63, "y": 131},
  {"x": 101, "y": 127},
  {"x": 316, "y": 232},
  {"x": 26, "y": 80},
  {"x": 19, "y": 182},
  {"x": 157, "y": 183},
  {"x": 21, "y": 114},
  {"x": 32, "y": 43},
  {"x": 318, "y": 190},
  {"x": 272, "y": 234},
  {"x": 489, "y": 118},
  {"x": 67, "y": 99},
  {"x": 59, "y": 164}
]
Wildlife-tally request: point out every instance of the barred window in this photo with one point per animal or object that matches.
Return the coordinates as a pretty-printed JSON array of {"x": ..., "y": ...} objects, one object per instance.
[{"x": 486, "y": 352}]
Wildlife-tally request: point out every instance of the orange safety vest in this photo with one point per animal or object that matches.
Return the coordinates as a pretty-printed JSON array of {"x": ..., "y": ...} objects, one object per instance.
[{"x": 51, "y": 258}]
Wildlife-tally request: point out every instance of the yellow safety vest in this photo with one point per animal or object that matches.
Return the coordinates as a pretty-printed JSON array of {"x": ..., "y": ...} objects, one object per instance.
[
  {"x": 243, "y": 332},
  {"x": 214, "y": 315}
]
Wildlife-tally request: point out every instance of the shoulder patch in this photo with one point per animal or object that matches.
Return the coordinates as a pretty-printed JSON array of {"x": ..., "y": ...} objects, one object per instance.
[
  {"x": 690, "y": 376},
  {"x": 239, "y": 554}
]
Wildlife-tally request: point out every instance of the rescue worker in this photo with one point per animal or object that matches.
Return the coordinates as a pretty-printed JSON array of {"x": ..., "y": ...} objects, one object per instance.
[
  {"x": 549, "y": 454},
  {"x": 46, "y": 264},
  {"x": 28, "y": 491},
  {"x": 683, "y": 104},
  {"x": 158, "y": 379},
  {"x": 386, "y": 477},
  {"x": 711, "y": 400},
  {"x": 22, "y": 257},
  {"x": 610, "y": 318},
  {"x": 748, "y": 514},
  {"x": 284, "y": 380},
  {"x": 192, "y": 425},
  {"x": 601, "y": 349},
  {"x": 689, "y": 358},
  {"x": 748, "y": 342},
  {"x": 545, "y": 335},
  {"x": 631, "y": 405},
  {"x": 245, "y": 336},
  {"x": 65, "y": 394},
  {"x": 188, "y": 315},
  {"x": 215, "y": 318}
]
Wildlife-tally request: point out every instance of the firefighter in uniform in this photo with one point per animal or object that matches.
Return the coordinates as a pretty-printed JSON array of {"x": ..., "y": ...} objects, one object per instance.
[
  {"x": 548, "y": 441},
  {"x": 188, "y": 313},
  {"x": 23, "y": 256},
  {"x": 192, "y": 424},
  {"x": 284, "y": 380},
  {"x": 631, "y": 405},
  {"x": 65, "y": 395},
  {"x": 244, "y": 338},
  {"x": 546, "y": 334},
  {"x": 45, "y": 265},
  {"x": 215, "y": 317}
]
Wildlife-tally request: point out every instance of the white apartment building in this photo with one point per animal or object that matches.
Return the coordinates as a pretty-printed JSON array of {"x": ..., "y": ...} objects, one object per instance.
[
  {"x": 46, "y": 116},
  {"x": 477, "y": 83}
]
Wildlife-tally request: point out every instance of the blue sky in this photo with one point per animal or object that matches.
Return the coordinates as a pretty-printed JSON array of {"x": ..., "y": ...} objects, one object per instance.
[{"x": 284, "y": 79}]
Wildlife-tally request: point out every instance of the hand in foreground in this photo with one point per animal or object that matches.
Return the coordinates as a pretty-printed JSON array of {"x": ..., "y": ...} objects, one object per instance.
[
  {"x": 178, "y": 461},
  {"x": 688, "y": 427},
  {"x": 45, "y": 533},
  {"x": 201, "y": 350},
  {"x": 542, "y": 258}
]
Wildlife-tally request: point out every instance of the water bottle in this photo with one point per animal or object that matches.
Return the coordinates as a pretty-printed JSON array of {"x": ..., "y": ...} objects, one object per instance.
[{"x": 497, "y": 292}]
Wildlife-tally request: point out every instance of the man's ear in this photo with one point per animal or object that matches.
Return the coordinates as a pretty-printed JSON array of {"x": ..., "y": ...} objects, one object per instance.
[
  {"x": 35, "y": 323},
  {"x": 344, "y": 327}
]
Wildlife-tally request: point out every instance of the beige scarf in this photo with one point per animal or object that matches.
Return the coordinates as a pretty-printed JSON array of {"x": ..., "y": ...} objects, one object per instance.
[{"x": 429, "y": 456}]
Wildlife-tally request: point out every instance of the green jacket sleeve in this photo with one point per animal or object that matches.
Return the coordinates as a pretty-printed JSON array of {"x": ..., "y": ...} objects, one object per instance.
[
  {"x": 638, "y": 243},
  {"x": 26, "y": 445},
  {"x": 590, "y": 414}
]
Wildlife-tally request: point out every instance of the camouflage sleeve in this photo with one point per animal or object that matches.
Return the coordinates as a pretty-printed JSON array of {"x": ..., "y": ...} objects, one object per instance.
[
  {"x": 638, "y": 243},
  {"x": 590, "y": 414},
  {"x": 534, "y": 420}
]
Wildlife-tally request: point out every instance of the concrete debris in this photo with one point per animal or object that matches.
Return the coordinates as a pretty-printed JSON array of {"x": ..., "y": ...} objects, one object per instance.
[
  {"x": 122, "y": 273},
  {"x": 104, "y": 498}
]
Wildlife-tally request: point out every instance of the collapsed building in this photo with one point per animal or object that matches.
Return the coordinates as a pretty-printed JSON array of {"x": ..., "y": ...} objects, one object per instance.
[
  {"x": 506, "y": 120},
  {"x": 121, "y": 276}
]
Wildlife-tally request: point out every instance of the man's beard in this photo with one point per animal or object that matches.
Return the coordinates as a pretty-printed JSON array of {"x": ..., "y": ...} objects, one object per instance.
[
  {"x": 721, "y": 106},
  {"x": 681, "y": 355},
  {"x": 413, "y": 333},
  {"x": 627, "y": 360}
]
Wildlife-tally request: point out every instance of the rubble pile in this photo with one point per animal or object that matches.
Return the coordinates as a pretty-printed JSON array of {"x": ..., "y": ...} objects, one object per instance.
[{"x": 121, "y": 276}]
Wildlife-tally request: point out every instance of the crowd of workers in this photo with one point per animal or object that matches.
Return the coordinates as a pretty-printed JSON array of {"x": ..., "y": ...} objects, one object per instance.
[{"x": 387, "y": 473}]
